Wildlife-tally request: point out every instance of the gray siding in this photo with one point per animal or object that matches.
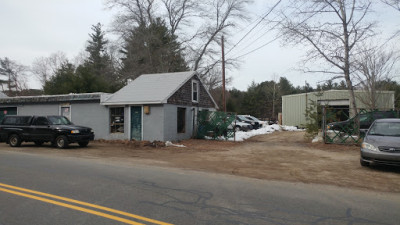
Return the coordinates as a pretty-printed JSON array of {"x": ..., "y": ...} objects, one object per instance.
[
  {"x": 91, "y": 115},
  {"x": 170, "y": 123},
  {"x": 153, "y": 124},
  {"x": 38, "y": 110}
]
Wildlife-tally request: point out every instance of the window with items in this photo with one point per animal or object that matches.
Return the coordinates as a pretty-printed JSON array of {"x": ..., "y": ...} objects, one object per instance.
[{"x": 117, "y": 120}]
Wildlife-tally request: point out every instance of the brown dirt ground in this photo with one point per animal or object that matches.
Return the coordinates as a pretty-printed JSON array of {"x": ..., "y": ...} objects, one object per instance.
[{"x": 284, "y": 156}]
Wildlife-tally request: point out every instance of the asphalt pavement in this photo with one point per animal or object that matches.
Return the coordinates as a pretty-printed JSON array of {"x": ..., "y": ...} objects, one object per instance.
[{"x": 40, "y": 189}]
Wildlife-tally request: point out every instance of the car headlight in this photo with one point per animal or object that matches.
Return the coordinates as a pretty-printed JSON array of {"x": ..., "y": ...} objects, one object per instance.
[
  {"x": 75, "y": 132},
  {"x": 369, "y": 147},
  {"x": 329, "y": 127},
  {"x": 91, "y": 131}
]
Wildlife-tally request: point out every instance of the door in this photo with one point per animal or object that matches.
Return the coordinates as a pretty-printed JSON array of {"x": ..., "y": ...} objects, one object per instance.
[
  {"x": 66, "y": 111},
  {"x": 41, "y": 129},
  {"x": 136, "y": 123}
]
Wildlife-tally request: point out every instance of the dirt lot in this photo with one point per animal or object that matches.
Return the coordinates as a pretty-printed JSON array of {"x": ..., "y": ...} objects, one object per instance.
[{"x": 282, "y": 156}]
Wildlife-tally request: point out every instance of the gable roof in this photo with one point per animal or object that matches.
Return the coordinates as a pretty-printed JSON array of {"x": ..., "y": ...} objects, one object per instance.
[{"x": 150, "y": 89}]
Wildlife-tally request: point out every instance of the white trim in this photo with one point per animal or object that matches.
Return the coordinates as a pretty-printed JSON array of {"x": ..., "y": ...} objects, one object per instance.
[
  {"x": 198, "y": 90},
  {"x": 65, "y": 105}
]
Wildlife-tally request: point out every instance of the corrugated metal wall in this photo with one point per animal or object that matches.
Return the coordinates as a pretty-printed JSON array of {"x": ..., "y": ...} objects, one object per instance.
[{"x": 294, "y": 106}]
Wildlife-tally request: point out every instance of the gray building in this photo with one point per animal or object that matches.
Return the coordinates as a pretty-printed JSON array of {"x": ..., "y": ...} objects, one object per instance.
[
  {"x": 152, "y": 107},
  {"x": 294, "y": 106}
]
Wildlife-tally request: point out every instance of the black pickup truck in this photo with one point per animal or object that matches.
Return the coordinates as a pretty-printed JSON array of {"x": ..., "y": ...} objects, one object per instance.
[{"x": 39, "y": 129}]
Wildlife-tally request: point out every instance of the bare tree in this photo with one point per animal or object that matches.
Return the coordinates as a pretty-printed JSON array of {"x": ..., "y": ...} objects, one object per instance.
[
  {"x": 332, "y": 29},
  {"x": 393, "y": 3},
  {"x": 200, "y": 25},
  {"x": 374, "y": 66},
  {"x": 133, "y": 14},
  {"x": 180, "y": 12},
  {"x": 12, "y": 77},
  {"x": 45, "y": 67}
]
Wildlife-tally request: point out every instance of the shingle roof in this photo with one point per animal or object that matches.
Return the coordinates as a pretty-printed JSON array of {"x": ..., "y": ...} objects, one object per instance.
[{"x": 150, "y": 89}]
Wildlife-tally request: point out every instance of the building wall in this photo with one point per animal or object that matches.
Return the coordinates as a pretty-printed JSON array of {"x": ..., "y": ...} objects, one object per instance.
[
  {"x": 294, "y": 106},
  {"x": 91, "y": 115},
  {"x": 171, "y": 123},
  {"x": 38, "y": 109},
  {"x": 183, "y": 96},
  {"x": 153, "y": 124}
]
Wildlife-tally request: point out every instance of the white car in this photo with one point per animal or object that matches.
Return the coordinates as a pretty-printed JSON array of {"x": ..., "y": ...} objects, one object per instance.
[
  {"x": 262, "y": 123},
  {"x": 240, "y": 126}
]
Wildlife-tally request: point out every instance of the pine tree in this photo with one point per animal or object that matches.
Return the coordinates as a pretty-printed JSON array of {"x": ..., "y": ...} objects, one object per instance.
[
  {"x": 99, "y": 61},
  {"x": 151, "y": 49}
]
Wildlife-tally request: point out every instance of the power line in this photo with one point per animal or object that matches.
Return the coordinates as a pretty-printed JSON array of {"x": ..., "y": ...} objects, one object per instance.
[
  {"x": 258, "y": 48},
  {"x": 276, "y": 4}
]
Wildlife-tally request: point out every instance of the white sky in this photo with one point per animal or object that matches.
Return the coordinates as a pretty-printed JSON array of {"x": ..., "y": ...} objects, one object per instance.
[{"x": 32, "y": 29}]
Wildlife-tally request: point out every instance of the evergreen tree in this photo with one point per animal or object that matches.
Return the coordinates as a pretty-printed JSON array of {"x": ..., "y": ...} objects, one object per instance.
[
  {"x": 151, "y": 49},
  {"x": 99, "y": 62},
  {"x": 69, "y": 79},
  {"x": 63, "y": 82}
]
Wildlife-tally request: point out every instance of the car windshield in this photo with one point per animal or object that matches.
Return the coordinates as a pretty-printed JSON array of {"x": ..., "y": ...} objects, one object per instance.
[
  {"x": 253, "y": 118},
  {"x": 59, "y": 120},
  {"x": 385, "y": 129},
  {"x": 242, "y": 117}
]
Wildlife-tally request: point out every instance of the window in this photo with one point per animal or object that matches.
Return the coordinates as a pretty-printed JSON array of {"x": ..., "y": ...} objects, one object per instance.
[
  {"x": 41, "y": 121},
  {"x": 117, "y": 120},
  {"x": 66, "y": 111},
  {"x": 195, "y": 91},
  {"x": 181, "y": 119}
]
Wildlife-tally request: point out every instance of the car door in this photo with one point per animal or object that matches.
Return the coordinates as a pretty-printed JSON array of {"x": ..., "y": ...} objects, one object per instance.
[{"x": 41, "y": 130}]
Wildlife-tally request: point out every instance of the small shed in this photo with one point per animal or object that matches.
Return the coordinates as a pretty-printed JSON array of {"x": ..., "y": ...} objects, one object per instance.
[
  {"x": 158, "y": 107},
  {"x": 152, "y": 107},
  {"x": 294, "y": 106}
]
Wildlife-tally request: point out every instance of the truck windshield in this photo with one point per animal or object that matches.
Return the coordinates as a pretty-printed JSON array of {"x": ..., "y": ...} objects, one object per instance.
[{"x": 59, "y": 120}]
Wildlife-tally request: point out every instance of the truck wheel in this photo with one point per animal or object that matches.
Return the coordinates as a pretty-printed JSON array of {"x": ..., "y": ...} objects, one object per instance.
[
  {"x": 83, "y": 143},
  {"x": 14, "y": 140},
  {"x": 61, "y": 141}
]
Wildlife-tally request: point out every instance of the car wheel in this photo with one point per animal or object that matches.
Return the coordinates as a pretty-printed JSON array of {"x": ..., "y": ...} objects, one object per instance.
[
  {"x": 61, "y": 141},
  {"x": 38, "y": 143},
  {"x": 14, "y": 140},
  {"x": 237, "y": 128},
  {"x": 363, "y": 163},
  {"x": 83, "y": 143}
]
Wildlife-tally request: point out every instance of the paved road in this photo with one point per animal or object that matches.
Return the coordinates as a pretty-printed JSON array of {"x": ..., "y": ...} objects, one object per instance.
[{"x": 170, "y": 196}]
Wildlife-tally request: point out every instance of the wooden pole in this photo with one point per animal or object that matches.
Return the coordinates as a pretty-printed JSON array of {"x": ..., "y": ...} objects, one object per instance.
[{"x": 223, "y": 74}]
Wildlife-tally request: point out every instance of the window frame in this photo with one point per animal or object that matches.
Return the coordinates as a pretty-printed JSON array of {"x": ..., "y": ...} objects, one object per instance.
[
  {"x": 195, "y": 83},
  {"x": 113, "y": 126}
]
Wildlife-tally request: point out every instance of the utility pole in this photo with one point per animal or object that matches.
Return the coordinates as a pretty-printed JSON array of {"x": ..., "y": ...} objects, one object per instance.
[{"x": 223, "y": 74}]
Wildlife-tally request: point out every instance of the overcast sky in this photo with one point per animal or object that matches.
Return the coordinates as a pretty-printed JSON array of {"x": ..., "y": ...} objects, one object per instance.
[{"x": 32, "y": 29}]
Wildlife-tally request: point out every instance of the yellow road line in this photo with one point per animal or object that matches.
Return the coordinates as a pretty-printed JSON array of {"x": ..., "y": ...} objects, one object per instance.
[
  {"x": 78, "y": 202},
  {"x": 72, "y": 207}
]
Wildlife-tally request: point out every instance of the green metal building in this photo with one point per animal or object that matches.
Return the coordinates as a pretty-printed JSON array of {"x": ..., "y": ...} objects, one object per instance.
[{"x": 294, "y": 106}]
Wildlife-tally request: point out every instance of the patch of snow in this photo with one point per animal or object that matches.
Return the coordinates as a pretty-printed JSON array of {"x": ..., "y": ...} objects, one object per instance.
[
  {"x": 168, "y": 143},
  {"x": 242, "y": 135}
]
